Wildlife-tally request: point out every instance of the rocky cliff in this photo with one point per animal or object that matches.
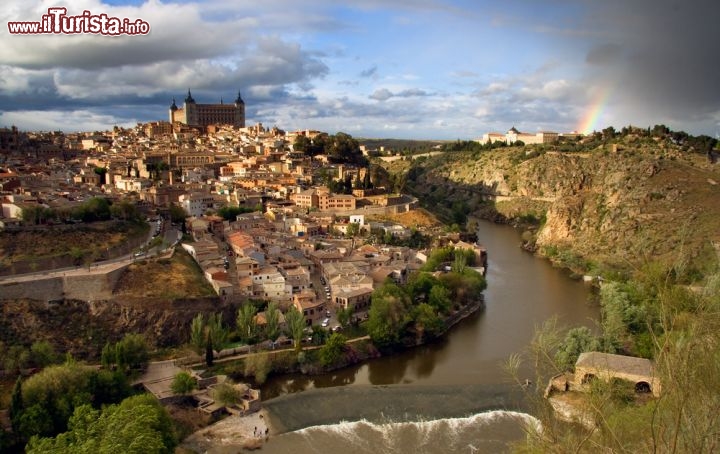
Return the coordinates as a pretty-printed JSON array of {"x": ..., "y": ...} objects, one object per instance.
[
  {"x": 82, "y": 328},
  {"x": 614, "y": 206}
]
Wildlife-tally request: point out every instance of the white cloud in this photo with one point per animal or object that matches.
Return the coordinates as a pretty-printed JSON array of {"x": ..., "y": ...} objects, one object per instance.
[
  {"x": 54, "y": 120},
  {"x": 178, "y": 32},
  {"x": 382, "y": 94}
]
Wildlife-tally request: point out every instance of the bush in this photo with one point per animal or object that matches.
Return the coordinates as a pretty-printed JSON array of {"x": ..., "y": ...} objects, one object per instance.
[
  {"x": 183, "y": 383},
  {"x": 333, "y": 349}
]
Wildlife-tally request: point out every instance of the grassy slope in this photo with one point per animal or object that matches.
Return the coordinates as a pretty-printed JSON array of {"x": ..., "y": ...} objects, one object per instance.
[
  {"x": 74, "y": 240},
  {"x": 178, "y": 277}
]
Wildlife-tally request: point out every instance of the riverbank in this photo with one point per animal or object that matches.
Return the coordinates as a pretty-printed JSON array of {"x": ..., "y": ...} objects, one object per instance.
[{"x": 232, "y": 434}]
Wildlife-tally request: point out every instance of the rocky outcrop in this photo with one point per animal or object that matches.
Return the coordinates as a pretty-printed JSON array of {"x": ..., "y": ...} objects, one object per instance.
[
  {"x": 82, "y": 328},
  {"x": 617, "y": 209}
]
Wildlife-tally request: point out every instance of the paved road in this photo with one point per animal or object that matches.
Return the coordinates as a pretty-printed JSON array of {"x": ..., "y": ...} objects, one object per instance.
[{"x": 170, "y": 236}]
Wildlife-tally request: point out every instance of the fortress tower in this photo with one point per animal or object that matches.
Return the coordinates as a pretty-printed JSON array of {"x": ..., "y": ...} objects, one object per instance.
[{"x": 195, "y": 114}]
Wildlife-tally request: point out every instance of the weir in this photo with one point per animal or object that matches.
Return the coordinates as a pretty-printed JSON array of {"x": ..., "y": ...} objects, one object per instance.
[{"x": 393, "y": 403}]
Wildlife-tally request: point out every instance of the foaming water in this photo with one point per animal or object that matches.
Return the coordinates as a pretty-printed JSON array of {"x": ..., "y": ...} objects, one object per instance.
[{"x": 486, "y": 432}]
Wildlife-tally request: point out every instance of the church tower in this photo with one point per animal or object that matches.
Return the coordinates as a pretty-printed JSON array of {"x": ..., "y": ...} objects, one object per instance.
[
  {"x": 173, "y": 109},
  {"x": 239, "y": 112},
  {"x": 190, "y": 108}
]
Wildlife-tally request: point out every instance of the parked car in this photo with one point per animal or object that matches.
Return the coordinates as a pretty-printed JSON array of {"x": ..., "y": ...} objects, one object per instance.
[{"x": 325, "y": 323}]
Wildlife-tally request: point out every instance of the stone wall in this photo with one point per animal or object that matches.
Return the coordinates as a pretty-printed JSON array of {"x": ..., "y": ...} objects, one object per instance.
[
  {"x": 85, "y": 287},
  {"x": 41, "y": 289}
]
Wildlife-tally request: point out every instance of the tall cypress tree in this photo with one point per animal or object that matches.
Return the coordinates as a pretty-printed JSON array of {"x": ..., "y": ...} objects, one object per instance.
[
  {"x": 16, "y": 404},
  {"x": 209, "y": 351}
]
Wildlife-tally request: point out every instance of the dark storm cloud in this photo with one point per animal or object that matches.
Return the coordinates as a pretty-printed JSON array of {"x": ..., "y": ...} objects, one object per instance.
[
  {"x": 604, "y": 54},
  {"x": 668, "y": 60}
]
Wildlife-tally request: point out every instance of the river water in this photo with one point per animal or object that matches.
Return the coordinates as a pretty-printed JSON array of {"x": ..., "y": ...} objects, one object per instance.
[{"x": 451, "y": 396}]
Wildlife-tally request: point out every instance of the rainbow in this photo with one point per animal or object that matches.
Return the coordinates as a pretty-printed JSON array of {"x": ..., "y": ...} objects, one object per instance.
[{"x": 589, "y": 121}]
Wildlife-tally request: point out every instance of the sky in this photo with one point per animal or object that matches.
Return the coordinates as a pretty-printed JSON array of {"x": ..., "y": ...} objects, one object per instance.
[{"x": 418, "y": 69}]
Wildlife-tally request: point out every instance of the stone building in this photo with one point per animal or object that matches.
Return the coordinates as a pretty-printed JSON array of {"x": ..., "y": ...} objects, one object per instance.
[
  {"x": 607, "y": 366},
  {"x": 195, "y": 114}
]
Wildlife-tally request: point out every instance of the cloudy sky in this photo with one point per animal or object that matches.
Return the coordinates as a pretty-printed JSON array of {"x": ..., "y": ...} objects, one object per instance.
[{"x": 437, "y": 69}]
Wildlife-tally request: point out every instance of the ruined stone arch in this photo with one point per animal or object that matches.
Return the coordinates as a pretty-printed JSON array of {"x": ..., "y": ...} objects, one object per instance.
[{"x": 642, "y": 387}]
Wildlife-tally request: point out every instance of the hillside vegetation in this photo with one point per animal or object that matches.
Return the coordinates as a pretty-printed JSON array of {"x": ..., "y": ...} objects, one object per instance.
[
  {"x": 47, "y": 246},
  {"x": 641, "y": 208},
  {"x": 601, "y": 205},
  {"x": 173, "y": 278}
]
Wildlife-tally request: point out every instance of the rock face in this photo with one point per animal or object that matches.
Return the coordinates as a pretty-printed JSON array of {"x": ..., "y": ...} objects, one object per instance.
[
  {"x": 618, "y": 209},
  {"x": 82, "y": 328}
]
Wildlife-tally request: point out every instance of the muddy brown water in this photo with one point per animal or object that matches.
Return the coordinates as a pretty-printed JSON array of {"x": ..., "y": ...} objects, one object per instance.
[{"x": 451, "y": 396}]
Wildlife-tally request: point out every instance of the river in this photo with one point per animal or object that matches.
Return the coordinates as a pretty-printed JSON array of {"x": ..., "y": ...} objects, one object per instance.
[{"x": 451, "y": 396}]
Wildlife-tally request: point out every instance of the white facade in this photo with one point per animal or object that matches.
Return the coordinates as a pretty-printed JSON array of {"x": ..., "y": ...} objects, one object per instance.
[
  {"x": 196, "y": 204},
  {"x": 269, "y": 283}
]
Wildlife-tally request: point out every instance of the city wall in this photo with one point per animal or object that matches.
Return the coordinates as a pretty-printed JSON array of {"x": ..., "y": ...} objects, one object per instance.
[{"x": 85, "y": 287}]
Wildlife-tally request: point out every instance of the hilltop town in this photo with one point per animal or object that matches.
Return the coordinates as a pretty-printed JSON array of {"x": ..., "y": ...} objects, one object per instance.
[{"x": 298, "y": 218}]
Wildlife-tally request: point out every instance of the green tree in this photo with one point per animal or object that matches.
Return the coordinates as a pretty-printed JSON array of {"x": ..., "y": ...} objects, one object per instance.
[
  {"x": 16, "y": 405},
  {"x": 366, "y": 183},
  {"x": 332, "y": 351},
  {"x": 343, "y": 148},
  {"x": 226, "y": 394},
  {"x": 177, "y": 213},
  {"x": 36, "y": 214},
  {"x": 35, "y": 420},
  {"x": 137, "y": 425},
  {"x": 125, "y": 210},
  {"x": 296, "y": 324},
  {"x": 459, "y": 212},
  {"x": 439, "y": 299},
  {"x": 209, "y": 354},
  {"x": 357, "y": 184},
  {"x": 16, "y": 358},
  {"x": 389, "y": 314},
  {"x": 353, "y": 229},
  {"x": 459, "y": 263},
  {"x": 258, "y": 365},
  {"x": 577, "y": 340},
  {"x": 344, "y": 315},
  {"x": 464, "y": 288},
  {"x": 217, "y": 330},
  {"x": 272, "y": 321},
  {"x": 57, "y": 390},
  {"x": 95, "y": 209},
  {"x": 183, "y": 383},
  {"x": 302, "y": 144},
  {"x": 42, "y": 354},
  {"x": 420, "y": 284},
  {"x": 197, "y": 332},
  {"x": 230, "y": 213},
  {"x": 428, "y": 323},
  {"x": 246, "y": 322},
  {"x": 208, "y": 335},
  {"x": 438, "y": 257},
  {"x": 131, "y": 352}
]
